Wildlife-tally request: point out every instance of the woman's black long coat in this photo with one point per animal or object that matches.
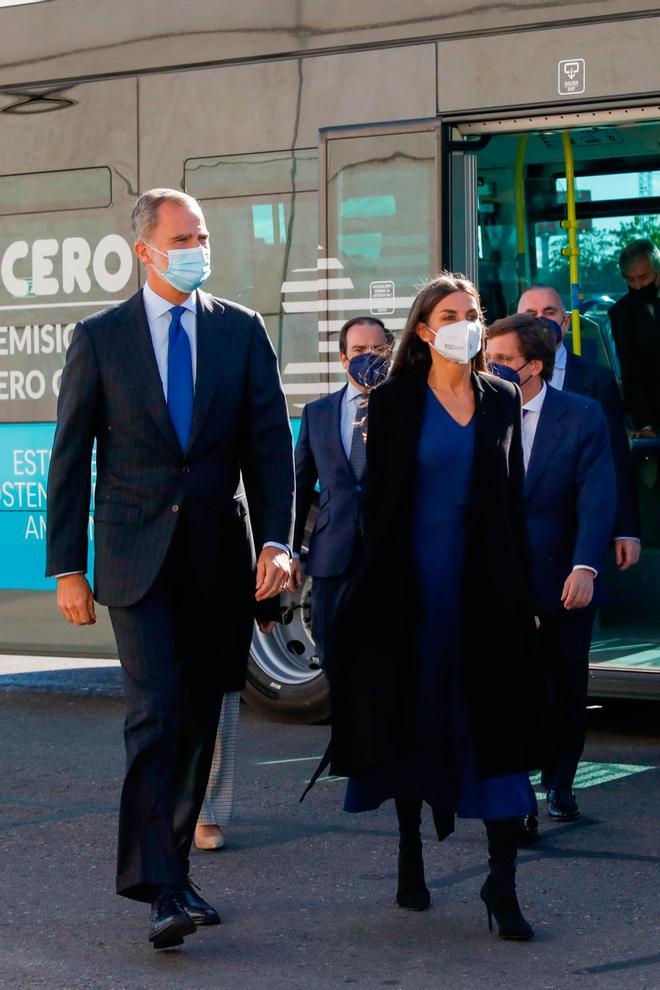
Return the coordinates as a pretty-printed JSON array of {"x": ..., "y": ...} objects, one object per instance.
[{"x": 373, "y": 644}]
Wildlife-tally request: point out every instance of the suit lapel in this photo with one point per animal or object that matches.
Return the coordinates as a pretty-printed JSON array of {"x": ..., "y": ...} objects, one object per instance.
[
  {"x": 547, "y": 436},
  {"x": 210, "y": 343},
  {"x": 141, "y": 362}
]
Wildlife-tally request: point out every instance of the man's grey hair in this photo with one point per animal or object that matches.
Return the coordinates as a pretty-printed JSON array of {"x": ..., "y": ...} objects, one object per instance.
[
  {"x": 542, "y": 285},
  {"x": 145, "y": 212},
  {"x": 636, "y": 250}
]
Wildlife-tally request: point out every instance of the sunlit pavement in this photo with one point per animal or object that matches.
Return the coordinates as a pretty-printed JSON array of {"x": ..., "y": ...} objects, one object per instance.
[{"x": 306, "y": 891}]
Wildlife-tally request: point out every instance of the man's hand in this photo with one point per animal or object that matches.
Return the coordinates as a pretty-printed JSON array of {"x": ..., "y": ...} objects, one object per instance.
[
  {"x": 627, "y": 553},
  {"x": 273, "y": 571},
  {"x": 578, "y": 589},
  {"x": 296, "y": 579},
  {"x": 75, "y": 600}
]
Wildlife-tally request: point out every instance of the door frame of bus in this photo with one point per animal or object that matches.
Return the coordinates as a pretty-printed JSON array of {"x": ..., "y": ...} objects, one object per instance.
[
  {"x": 459, "y": 136},
  {"x": 365, "y": 132}
]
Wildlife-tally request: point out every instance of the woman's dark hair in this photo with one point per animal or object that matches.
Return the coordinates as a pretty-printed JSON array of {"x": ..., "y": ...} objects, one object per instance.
[
  {"x": 536, "y": 340},
  {"x": 413, "y": 352}
]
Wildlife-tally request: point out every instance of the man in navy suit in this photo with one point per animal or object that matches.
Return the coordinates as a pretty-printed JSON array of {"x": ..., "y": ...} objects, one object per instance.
[
  {"x": 573, "y": 373},
  {"x": 331, "y": 450},
  {"x": 570, "y": 504},
  {"x": 181, "y": 393}
]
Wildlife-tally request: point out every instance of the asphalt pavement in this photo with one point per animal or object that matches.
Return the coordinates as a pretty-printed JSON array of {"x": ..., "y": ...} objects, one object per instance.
[{"x": 306, "y": 891}]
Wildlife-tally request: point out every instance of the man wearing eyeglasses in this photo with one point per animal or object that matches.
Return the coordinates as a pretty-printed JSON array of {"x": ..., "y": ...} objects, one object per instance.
[{"x": 331, "y": 450}]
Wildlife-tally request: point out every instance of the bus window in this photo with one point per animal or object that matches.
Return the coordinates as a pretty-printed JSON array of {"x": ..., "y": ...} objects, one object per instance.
[
  {"x": 46, "y": 192},
  {"x": 226, "y": 176},
  {"x": 262, "y": 214},
  {"x": 382, "y": 232}
]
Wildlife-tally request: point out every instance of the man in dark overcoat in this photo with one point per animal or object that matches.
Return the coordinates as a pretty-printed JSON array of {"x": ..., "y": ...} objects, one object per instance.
[{"x": 635, "y": 320}]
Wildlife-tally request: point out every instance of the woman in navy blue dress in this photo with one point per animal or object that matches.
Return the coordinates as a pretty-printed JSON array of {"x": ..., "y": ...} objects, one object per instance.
[{"x": 429, "y": 705}]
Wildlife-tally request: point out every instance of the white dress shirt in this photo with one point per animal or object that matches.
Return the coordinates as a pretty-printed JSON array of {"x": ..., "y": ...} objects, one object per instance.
[
  {"x": 559, "y": 373},
  {"x": 531, "y": 416}
]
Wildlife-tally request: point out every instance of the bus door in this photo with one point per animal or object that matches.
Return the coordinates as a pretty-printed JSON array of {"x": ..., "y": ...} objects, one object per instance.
[
  {"x": 514, "y": 194},
  {"x": 380, "y": 226}
]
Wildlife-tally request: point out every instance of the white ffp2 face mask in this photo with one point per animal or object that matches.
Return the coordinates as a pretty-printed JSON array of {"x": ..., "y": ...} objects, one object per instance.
[{"x": 458, "y": 342}]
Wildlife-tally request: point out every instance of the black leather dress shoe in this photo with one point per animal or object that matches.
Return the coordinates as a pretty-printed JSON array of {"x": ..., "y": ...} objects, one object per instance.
[
  {"x": 197, "y": 909},
  {"x": 562, "y": 806},
  {"x": 529, "y": 830},
  {"x": 170, "y": 922}
]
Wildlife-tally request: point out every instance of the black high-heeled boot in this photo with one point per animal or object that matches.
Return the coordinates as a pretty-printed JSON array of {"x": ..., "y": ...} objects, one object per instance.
[
  {"x": 499, "y": 890},
  {"x": 412, "y": 892}
]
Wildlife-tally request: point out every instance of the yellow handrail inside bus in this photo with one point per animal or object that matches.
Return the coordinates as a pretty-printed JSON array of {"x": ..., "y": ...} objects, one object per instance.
[
  {"x": 572, "y": 251},
  {"x": 520, "y": 213}
]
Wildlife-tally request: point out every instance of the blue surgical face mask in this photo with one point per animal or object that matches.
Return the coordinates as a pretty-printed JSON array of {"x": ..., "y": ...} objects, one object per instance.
[
  {"x": 187, "y": 268},
  {"x": 508, "y": 374},
  {"x": 504, "y": 372},
  {"x": 552, "y": 325},
  {"x": 369, "y": 369}
]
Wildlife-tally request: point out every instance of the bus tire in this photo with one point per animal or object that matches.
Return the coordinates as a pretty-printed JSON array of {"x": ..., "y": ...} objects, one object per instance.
[
  {"x": 306, "y": 704},
  {"x": 283, "y": 677}
]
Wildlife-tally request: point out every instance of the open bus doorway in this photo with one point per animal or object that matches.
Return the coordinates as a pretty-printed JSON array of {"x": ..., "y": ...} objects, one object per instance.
[{"x": 521, "y": 193}]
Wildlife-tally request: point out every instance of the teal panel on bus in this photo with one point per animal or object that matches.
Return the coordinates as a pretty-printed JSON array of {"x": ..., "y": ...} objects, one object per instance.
[{"x": 24, "y": 459}]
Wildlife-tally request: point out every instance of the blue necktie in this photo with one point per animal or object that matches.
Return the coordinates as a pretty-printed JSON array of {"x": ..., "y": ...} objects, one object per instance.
[{"x": 179, "y": 377}]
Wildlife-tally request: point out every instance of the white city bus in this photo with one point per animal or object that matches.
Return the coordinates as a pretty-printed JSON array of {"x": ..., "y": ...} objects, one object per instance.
[{"x": 342, "y": 153}]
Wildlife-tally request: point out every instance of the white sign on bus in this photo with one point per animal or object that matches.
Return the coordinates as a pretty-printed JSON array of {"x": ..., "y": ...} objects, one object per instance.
[{"x": 75, "y": 256}]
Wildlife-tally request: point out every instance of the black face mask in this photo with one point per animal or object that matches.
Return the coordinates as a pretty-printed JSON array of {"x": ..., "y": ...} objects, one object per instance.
[{"x": 647, "y": 293}]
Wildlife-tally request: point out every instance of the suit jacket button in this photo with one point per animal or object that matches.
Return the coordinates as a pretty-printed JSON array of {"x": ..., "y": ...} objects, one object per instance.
[{"x": 175, "y": 508}]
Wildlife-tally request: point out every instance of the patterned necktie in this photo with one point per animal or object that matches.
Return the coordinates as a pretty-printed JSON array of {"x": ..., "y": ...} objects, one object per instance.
[
  {"x": 179, "y": 377},
  {"x": 358, "y": 455}
]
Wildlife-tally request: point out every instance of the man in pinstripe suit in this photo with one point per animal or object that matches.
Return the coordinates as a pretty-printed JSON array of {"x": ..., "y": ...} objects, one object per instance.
[{"x": 182, "y": 395}]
